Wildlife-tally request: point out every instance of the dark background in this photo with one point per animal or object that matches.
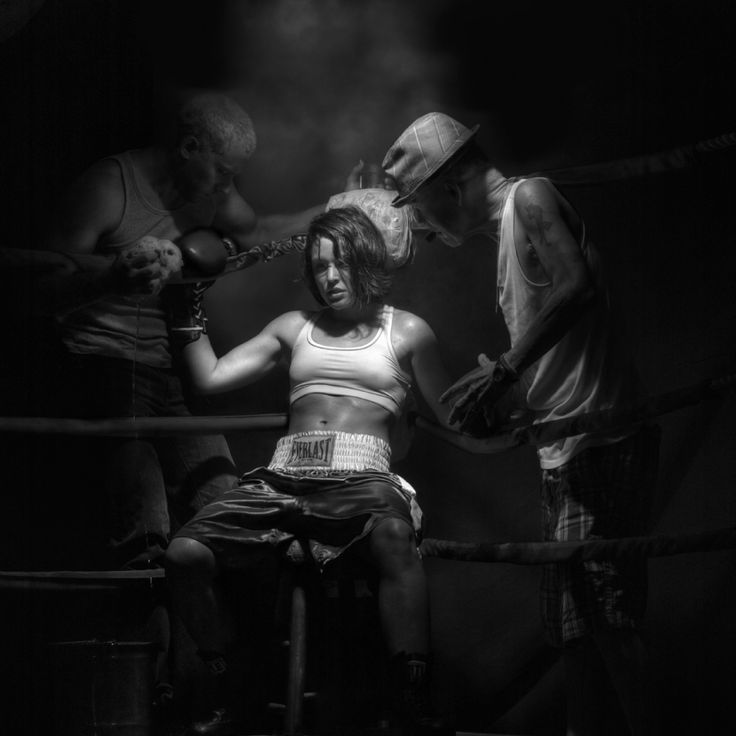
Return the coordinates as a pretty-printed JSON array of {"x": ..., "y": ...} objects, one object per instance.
[{"x": 554, "y": 86}]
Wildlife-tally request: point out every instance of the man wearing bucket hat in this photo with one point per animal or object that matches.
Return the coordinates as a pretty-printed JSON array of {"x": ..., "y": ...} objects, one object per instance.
[{"x": 565, "y": 360}]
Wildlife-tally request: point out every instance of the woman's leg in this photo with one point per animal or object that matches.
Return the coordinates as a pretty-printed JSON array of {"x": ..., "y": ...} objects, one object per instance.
[
  {"x": 191, "y": 570},
  {"x": 403, "y": 600},
  {"x": 403, "y": 604}
]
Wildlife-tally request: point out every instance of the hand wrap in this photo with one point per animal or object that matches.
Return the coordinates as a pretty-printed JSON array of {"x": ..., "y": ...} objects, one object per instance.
[{"x": 186, "y": 317}]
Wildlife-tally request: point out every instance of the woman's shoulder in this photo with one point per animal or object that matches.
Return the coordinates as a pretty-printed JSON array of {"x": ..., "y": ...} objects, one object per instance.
[
  {"x": 289, "y": 324},
  {"x": 409, "y": 325}
]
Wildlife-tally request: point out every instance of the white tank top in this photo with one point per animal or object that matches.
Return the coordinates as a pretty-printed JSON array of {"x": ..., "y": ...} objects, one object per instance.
[{"x": 587, "y": 370}]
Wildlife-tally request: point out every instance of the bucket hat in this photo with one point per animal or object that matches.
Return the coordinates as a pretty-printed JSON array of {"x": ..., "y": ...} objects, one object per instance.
[{"x": 421, "y": 150}]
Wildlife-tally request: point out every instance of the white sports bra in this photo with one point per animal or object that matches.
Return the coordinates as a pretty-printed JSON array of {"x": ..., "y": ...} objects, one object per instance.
[{"x": 370, "y": 372}]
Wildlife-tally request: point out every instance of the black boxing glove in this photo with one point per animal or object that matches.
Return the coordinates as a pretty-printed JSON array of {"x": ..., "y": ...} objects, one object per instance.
[
  {"x": 185, "y": 313},
  {"x": 205, "y": 252}
]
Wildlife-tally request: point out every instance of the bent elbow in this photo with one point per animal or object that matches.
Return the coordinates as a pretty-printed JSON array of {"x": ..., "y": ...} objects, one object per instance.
[
  {"x": 202, "y": 383},
  {"x": 203, "y": 388},
  {"x": 586, "y": 294},
  {"x": 579, "y": 293},
  {"x": 199, "y": 387}
]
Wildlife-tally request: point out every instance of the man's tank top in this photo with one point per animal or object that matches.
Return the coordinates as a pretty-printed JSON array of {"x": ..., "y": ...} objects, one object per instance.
[
  {"x": 587, "y": 370},
  {"x": 370, "y": 372},
  {"x": 133, "y": 328}
]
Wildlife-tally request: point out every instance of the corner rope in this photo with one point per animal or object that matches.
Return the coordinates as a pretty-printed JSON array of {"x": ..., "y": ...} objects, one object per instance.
[
  {"x": 627, "y": 168},
  {"x": 538, "y": 553}
]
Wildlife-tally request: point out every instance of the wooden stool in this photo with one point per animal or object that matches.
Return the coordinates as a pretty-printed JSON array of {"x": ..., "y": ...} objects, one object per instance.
[{"x": 344, "y": 582}]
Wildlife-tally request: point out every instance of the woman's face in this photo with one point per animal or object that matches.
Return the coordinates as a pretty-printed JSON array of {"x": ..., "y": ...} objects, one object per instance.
[{"x": 331, "y": 275}]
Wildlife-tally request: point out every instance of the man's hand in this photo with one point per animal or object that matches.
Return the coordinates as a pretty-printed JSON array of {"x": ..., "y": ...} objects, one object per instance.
[
  {"x": 474, "y": 395},
  {"x": 145, "y": 266},
  {"x": 368, "y": 176},
  {"x": 354, "y": 177}
]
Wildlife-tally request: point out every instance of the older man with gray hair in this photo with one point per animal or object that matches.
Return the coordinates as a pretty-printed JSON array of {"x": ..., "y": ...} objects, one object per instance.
[{"x": 119, "y": 353}]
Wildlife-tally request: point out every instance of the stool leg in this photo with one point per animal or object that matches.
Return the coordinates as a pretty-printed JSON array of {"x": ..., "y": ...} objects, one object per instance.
[{"x": 297, "y": 663}]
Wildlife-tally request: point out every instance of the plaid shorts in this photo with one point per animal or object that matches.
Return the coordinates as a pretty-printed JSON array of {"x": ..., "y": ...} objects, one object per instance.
[{"x": 604, "y": 492}]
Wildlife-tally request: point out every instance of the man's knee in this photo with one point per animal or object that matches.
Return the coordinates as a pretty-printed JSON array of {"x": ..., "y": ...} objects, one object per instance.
[
  {"x": 133, "y": 467},
  {"x": 135, "y": 451}
]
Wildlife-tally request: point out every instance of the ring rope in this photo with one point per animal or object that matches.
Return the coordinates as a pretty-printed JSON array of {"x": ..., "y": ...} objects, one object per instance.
[
  {"x": 625, "y": 415},
  {"x": 144, "y": 426},
  {"x": 537, "y": 553},
  {"x": 516, "y": 553},
  {"x": 627, "y": 168},
  {"x": 82, "y": 575},
  {"x": 543, "y": 432},
  {"x": 85, "y": 580}
]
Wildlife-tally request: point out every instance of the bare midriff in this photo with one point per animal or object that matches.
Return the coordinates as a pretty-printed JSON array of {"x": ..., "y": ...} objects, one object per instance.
[{"x": 325, "y": 412}]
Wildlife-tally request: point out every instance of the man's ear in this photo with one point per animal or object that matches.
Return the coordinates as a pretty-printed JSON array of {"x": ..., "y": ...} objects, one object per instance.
[{"x": 188, "y": 146}]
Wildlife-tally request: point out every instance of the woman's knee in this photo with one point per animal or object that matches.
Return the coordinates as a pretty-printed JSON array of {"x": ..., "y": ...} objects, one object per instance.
[
  {"x": 394, "y": 540},
  {"x": 188, "y": 556}
]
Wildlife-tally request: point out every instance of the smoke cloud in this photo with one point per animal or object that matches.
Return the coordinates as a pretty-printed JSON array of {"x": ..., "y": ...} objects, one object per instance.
[{"x": 328, "y": 83}]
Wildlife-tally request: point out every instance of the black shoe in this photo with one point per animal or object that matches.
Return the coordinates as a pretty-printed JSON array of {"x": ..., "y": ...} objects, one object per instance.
[
  {"x": 382, "y": 727},
  {"x": 413, "y": 712},
  {"x": 430, "y": 726},
  {"x": 220, "y": 723},
  {"x": 163, "y": 707},
  {"x": 424, "y": 726}
]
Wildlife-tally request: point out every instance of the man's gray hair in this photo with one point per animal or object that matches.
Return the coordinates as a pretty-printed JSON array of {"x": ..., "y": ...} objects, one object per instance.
[{"x": 218, "y": 122}]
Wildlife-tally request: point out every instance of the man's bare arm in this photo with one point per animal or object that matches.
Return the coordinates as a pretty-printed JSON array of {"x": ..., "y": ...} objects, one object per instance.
[
  {"x": 560, "y": 255},
  {"x": 236, "y": 219},
  {"x": 92, "y": 207},
  {"x": 556, "y": 257}
]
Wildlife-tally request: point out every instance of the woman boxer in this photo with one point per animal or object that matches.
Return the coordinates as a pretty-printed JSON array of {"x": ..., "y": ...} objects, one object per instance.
[{"x": 351, "y": 367}]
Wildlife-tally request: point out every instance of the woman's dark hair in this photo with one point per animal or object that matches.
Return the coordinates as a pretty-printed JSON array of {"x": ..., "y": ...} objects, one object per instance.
[{"x": 359, "y": 244}]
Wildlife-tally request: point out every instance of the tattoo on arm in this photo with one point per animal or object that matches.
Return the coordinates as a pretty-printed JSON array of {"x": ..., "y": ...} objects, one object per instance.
[{"x": 534, "y": 213}]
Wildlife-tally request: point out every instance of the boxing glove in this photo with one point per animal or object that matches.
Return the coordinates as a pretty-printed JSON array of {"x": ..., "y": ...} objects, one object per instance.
[{"x": 204, "y": 252}]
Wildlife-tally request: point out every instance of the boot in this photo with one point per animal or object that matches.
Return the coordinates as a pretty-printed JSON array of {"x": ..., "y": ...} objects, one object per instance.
[
  {"x": 219, "y": 723},
  {"x": 409, "y": 676},
  {"x": 222, "y": 720}
]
